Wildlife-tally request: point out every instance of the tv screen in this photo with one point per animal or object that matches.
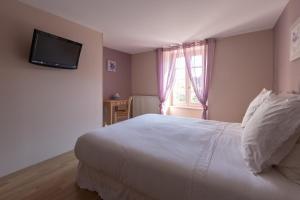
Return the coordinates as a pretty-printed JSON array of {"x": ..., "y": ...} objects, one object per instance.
[{"x": 53, "y": 51}]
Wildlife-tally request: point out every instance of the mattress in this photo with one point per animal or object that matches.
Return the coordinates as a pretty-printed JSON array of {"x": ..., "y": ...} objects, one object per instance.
[{"x": 156, "y": 157}]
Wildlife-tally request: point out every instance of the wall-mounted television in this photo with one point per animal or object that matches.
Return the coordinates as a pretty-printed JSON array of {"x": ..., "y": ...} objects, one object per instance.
[{"x": 54, "y": 51}]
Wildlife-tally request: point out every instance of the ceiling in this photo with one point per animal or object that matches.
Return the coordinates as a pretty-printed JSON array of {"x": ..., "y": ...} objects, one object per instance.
[{"x": 135, "y": 26}]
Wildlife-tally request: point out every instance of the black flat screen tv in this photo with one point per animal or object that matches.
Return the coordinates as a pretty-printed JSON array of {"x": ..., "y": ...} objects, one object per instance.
[{"x": 54, "y": 51}]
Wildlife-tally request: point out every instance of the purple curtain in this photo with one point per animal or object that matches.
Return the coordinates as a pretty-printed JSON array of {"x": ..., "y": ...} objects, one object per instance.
[
  {"x": 200, "y": 77},
  {"x": 166, "y": 59}
]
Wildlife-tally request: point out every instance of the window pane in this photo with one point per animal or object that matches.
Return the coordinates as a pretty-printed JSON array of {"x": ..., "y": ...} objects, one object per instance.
[
  {"x": 197, "y": 72},
  {"x": 193, "y": 97},
  {"x": 197, "y": 61},
  {"x": 180, "y": 63},
  {"x": 179, "y": 90},
  {"x": 179, "y": 94}
]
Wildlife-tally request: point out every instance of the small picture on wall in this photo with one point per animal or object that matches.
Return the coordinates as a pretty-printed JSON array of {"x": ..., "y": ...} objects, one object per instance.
[
  {"x": 295, "y": 41},
  {"x": 111, "y": 66}
]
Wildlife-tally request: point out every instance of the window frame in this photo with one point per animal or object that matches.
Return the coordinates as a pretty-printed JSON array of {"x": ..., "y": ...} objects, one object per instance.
[{"x": 188, "y": 93}]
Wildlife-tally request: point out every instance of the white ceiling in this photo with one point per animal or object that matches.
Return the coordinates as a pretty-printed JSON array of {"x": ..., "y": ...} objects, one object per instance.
[{"x": 135, "y": 26}]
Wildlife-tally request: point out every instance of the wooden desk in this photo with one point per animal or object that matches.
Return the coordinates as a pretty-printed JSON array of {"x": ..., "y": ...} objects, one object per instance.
[{"x": 110, "y": 105}]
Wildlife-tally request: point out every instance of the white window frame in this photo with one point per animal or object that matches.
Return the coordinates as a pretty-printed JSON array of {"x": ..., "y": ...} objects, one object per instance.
[{"x": 188, "y": 92}]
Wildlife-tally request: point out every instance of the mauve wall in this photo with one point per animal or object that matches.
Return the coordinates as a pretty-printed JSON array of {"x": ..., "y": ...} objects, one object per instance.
[
  {"x": 119, "y": 81},
  {"x": 287, "y": 74},
  {"x": 243, "y": 66},
  {"x": 144, "y": 75},
  {"x": 44, "y": 110}
]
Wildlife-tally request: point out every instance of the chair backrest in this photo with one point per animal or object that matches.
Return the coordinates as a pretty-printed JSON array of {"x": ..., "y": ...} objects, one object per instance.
[{"x": 129, "y": 106}]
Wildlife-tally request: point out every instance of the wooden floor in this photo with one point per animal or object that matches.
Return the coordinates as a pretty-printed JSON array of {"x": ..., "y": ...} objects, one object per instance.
[{"x": 53, "y": 179}]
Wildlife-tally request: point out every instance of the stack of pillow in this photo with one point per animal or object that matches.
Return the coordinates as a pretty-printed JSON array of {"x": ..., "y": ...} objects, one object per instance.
[{"x": 271, "y": 134}]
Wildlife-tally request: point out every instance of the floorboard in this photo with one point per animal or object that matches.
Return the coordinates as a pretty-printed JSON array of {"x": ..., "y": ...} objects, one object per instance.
[{"x": 53, "y": 179}]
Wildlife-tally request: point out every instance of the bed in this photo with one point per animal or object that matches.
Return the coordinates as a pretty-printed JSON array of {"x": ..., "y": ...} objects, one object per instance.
[{"x": 156, "y": 157}]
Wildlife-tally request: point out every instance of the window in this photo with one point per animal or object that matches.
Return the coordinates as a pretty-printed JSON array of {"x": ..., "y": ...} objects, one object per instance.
[{"x": 183, "y": 93}]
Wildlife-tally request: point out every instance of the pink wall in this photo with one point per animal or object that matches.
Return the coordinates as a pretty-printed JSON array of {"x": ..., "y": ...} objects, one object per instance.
[
  {"x": 119, "y": 81},
  {"x": 44, "y": 110},
  {"x": 143, "y": 74},
  {"x": 243, "y": 67},
  {"x": 287, "y": 74}
]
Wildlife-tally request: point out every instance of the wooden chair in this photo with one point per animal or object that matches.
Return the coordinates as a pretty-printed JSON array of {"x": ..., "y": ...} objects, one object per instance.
[{"x": 123, "y": 113}]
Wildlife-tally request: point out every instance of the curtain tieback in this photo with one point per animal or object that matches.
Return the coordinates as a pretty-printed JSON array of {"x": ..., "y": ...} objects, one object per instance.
[
  {"x": 205, "y": 107},
  {"x": 160, "y": 105}
]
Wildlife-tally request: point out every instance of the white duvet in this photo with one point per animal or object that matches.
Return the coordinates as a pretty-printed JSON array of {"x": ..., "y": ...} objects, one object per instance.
[{"x": 172, "y": 158}]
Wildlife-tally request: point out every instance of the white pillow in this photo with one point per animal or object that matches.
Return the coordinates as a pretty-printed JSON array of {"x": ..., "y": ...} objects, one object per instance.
[
  {"x": 255, "y": 103},
  {"x": 284, "y": 149},
  {"x": 272, "y": 125},
  {"x": 288, "y": 145},
  {"x": 290, "y": 166}
]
